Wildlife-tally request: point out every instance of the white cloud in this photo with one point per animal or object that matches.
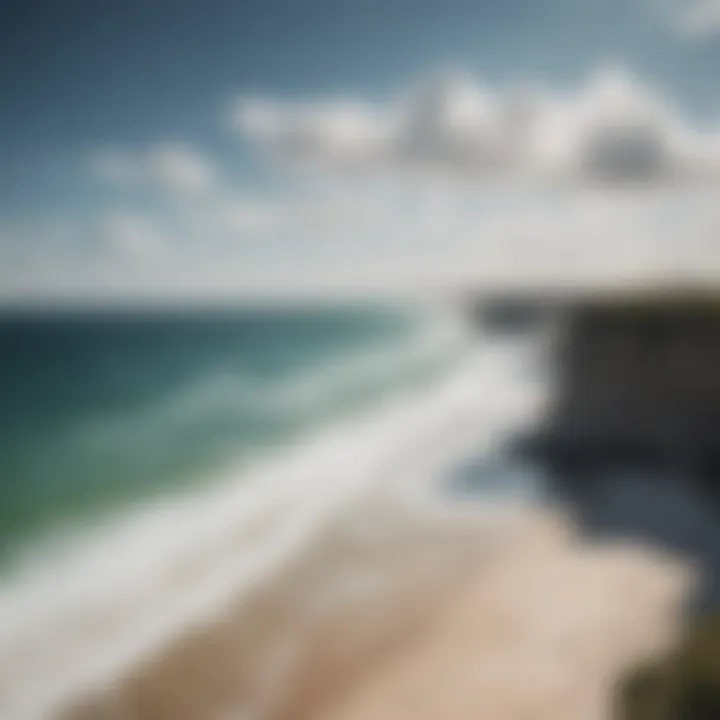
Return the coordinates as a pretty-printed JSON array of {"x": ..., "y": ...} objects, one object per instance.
[
  {"x": 323, "y": 131},
  {"x": 170, "y": 167},
  {"x": 239, "y": 216},
  {"x": 437, "y": 239},
  {"x": 703, "y": 18},
  {"x": 614, "y": 130},
  {"x": 134, "y": 236},
  {"x": 384, "y": 210},
  {"x": 694, "y": 19}
]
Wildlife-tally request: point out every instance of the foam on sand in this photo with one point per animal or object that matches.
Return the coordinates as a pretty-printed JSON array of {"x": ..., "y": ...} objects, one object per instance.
[
  {"x": 338, "y": 582},
  {"x": 409, "y": 617},
  {"x": 77, "y": 623}
]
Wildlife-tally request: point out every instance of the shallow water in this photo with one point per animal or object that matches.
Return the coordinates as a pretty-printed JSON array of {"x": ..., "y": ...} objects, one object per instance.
[
  {"x": 101, "y": 411},
  {"x": 83, "y": 611},
  {"x": 390, "y": 413}
]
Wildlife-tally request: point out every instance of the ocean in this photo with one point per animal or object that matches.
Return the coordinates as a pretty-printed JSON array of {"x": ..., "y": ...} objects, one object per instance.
[
  {"x": 206, "y": 513},
  {"x": 156, "y": 466},
  {"x": 102, "y": 410}
]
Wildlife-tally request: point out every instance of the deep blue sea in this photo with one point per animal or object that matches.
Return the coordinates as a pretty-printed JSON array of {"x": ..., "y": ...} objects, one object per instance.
[{"x": 100, "y": 410}]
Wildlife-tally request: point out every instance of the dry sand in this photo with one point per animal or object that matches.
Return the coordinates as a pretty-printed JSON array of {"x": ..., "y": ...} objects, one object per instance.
[
  {"x": 542, "y": 636},
  {"x": 392, "y": 618}
]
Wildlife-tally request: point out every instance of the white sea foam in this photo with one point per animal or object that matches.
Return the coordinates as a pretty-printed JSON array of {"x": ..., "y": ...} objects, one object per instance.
[
  {"x": 75, "y": 620},
  {"x": 439, "y": 338}
]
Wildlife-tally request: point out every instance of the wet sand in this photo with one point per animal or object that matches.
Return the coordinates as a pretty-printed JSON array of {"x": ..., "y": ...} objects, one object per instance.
[{"x": 463, "y": 614}]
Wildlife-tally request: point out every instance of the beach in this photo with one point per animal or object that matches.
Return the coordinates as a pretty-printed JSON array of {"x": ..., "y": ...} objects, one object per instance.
[
  {"x": 391, "y": 564},
  {"x": 511, "y": 617}
]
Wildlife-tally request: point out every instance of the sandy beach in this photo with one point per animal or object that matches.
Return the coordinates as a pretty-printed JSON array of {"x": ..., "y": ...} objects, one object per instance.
[
  {"x": 472, "y": 613},
  {"x": 351, "y": 582}
]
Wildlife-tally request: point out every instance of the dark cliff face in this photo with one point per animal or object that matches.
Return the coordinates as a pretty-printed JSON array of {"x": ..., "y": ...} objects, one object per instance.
[
  {"x": 631, "y": 439},
  {"x": 637, "y": 383},
  {"x": 515, "y": 313}
]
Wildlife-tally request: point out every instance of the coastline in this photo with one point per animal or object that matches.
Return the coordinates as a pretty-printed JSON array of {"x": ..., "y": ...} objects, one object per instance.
[
  {"x": 73, "y": 627},
  {"x": 317, "y": 592}
]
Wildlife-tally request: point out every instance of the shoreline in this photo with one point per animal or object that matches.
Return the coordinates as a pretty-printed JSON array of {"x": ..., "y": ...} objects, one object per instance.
[
  {"x": 344, "y": 581},
  {"x": 70, "y": 628},
  {"x": 398, "y": 622},
  {"x": 358, "y": 589}
]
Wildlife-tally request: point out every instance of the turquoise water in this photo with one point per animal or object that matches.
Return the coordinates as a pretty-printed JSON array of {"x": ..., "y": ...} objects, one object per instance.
[{"x": 102, "y": 410}]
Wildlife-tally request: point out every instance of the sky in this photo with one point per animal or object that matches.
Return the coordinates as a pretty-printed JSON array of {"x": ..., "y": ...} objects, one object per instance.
[{"x": 219, "y": 148}]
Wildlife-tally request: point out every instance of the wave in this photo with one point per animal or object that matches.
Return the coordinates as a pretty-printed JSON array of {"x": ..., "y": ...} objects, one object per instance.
[
  {"x": 331, "y": 385},
  {"x": 100, "y": 602}
]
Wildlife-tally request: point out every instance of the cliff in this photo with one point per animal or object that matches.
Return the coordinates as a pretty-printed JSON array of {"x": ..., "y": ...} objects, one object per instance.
[{"x": 636, "y": 383}]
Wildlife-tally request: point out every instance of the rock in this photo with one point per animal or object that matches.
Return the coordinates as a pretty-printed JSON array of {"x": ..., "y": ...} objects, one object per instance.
[{"x": 636, "y": 385}]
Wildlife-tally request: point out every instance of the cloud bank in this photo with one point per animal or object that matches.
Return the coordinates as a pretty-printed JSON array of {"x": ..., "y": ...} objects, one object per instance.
[
  {"x": 696, "y": 20},
  {"x": 398, "y": 202},
  {"x": 614, "y": 129},
  {"x": 168, "y": 167}
]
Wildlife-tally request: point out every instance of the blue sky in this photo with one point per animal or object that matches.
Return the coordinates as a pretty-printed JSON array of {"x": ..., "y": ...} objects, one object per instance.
[{"x": 84, "y": 78}]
